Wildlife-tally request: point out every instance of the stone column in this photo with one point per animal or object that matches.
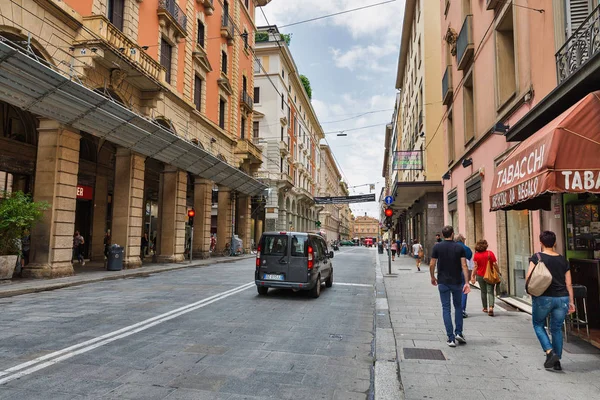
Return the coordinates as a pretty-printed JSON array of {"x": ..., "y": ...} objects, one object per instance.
[
  {"x": 99, "y": 219},
  {"x": 203, "y": 207},
  {"x": 224, "y": 209},
  {"x": 57, "y": 166},
  {"x": 173, "y": 215},
  {"x": 244, "y": 209},
  {"x": 258, "y": 231},
  {"x": 128, "y": 207}
]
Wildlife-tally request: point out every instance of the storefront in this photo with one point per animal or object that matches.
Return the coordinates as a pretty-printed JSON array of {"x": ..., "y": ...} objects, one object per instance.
[{"x": 562, "y": 159}]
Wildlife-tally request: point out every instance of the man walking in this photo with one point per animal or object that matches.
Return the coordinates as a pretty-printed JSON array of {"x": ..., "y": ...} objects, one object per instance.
[{"x": 452, "y": 268}]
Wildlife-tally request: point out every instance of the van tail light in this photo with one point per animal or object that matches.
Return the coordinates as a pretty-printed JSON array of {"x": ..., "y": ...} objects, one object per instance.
[
  {"x": 310, "y": 257},
  {"x": 258, "y": 257}
]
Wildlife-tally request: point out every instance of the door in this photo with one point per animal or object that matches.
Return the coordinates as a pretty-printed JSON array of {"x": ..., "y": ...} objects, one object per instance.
[
  {"x": 298, "y": 271},
  {"x": 83, "y": 224},
  {"x": 326, "y": 261},
  {"x": 274, "y": 257}
]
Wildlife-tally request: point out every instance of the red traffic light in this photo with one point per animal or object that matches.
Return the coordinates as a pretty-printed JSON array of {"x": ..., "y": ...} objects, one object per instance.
[
  {"x": 389, "y": 212},
  {"x": 191, "y": 213}
]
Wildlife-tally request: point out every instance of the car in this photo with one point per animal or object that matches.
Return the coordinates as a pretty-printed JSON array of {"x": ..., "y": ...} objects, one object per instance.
[
  {"x": 347, "y": 243},
  {"x": 293, "y": 260}
]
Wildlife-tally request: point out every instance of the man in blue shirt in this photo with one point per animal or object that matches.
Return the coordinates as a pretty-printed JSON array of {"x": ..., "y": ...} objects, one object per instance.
[
  {"x": 451, "y": 261},
  {"x": 469, "y": 255}
]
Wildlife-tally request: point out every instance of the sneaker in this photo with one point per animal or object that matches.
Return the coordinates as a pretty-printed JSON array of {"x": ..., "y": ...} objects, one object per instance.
[
  {"x": 82, "y": 263},
  {"x": 461, "y": 339},
  {"x": 465, "y": 315},
  {"x": 551, "y": 359},
  {"x": 451, "y": 343},
  {"x": 557, "y": 366}
]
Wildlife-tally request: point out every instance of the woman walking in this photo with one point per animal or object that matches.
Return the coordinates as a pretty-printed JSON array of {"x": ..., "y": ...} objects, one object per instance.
[
  {"x": 417, "y": 251},
  {"x": 556, "y": 301},
  {"x": 394, "y": 249},
  {"x": 481, "y": 258},
  {"x": 404, "y": 248}
]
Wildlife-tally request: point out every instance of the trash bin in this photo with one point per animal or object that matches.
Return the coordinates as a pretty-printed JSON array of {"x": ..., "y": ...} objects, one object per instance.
[{"x": 115, "y": 258}]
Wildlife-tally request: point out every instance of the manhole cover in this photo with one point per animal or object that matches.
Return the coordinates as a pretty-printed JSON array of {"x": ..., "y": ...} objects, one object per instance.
[{"x": 412, "y": 353}]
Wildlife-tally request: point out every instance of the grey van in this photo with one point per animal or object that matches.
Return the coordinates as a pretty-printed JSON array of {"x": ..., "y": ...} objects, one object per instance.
[{"x": 293, "y": 260}]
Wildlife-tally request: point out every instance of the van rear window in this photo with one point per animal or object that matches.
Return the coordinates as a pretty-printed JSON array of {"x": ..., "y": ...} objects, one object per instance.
[
  {"x": 274, "y": 245},
  {"x": 299, "y": 246}
]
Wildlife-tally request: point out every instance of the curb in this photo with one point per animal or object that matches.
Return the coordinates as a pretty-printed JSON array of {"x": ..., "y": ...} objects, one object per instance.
[{"x": 123, "y": 274}]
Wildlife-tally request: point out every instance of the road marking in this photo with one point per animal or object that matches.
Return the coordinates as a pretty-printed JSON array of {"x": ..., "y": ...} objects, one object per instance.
[
  {"x": 84, "y": 347},
  {"x": 352, "y": 284}
]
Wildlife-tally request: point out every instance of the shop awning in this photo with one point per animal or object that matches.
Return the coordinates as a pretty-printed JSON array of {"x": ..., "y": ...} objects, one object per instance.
[
  {"x": 29, "y": 84},
  {"x": 406, "y": 193},
  {"x": 562, "y": 157}
]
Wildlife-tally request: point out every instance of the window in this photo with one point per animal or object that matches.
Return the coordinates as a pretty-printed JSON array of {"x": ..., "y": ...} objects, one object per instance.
[
  {"x": 224, "y": 62},
  {"x": 257, "y": 66},
  {"x": 256, "y": 95},
  {"x": 243, "y": 129},
  {"x": 198, "y": 93},
  {"x": 245, "y": 37},
  {"x": 576, "y": 13},
  {"x": 282, "y": 133},
  {"x": 116, "y": 9},
  {"x": 200, "y": 33},
  {"x": 247, "y": 4},
  {"x": 283, "y": 73},
  {"x": 450, "y": 135},
  {"x": 282, "y": 101},
  {"x": 299, "y": 246},
  {"x": 255, "y": 129},
  {"x": 274, "y": 245},
  {"x": 222, "y": 105},
  {"x": 245, "y": 84},
  {"x": 166, "y": 53},
  {"x": 469, "y": 109},
  {"x": 506, "y": 78},
  {"x": 281, "y": 164}
]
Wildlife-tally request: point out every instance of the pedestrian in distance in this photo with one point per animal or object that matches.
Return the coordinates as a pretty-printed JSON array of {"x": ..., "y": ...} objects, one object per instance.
[
  {"x": 106, "y": 244},
  {"x": 438, "y": 238},
  {"x": 394, "y": 248},
  {"x": 404, "y": 248},
  {"x": 481, "y": 258},
  {"x": 144, "y": 246},
  {"x": 452, "y": 282},
  {"x": 78, "y": 242},
  {"x": 417, "y": 252},
  {"x": 469, "y": 256},
  {"x": 557, "y": 301}
]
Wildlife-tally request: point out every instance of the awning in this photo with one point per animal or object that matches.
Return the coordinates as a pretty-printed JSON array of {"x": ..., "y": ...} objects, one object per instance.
[
  {"x": 28, "y": 84},
  {"x": 562, "y": 157},
  {"x": 406, "y": 193}
]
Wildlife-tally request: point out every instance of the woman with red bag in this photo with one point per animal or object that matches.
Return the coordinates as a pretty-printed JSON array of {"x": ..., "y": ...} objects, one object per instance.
[{"x": 481, "y": 258}]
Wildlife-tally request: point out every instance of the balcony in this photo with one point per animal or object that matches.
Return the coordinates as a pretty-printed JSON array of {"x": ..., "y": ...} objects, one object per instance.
[
  {"x": 114, "y": 47},
  {"x": 464, "y": 44},
  {"x": 578, "y": 74},
  {"x": 246, "y": 150},
  {"x": 227, "y": 29},
  {"x": 170, "y": 13},
  {"x": 209, "y": 6},
  {"x": 284, "y": 147},
  {"x": 447, "y": 90},
  {"x": 246, "y": 101},
  {"x": 492, "y": 4},
  {"x": 286, "y": 178}
]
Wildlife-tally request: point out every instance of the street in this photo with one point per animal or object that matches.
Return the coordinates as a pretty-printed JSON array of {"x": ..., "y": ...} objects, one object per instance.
[{"x": 199, "y": 333}]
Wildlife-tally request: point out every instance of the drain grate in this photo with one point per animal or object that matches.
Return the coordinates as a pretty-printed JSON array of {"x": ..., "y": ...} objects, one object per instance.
[{"x": 412, "y": 353}]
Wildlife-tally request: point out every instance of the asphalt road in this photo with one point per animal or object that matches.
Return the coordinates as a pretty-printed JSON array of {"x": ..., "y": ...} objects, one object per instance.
[{"x": 200, "y": 333}]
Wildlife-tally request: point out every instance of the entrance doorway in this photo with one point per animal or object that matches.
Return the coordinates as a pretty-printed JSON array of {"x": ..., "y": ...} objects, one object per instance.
[{"x": 83, "y": 224}]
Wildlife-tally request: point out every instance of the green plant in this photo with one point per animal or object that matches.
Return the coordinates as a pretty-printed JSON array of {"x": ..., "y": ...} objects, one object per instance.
[
  {"x": 18, "y": 213},
  {"x": 261, "y": 37},
  {"x": 306, "y": 83},
  {"x": 287, "y": 38}
]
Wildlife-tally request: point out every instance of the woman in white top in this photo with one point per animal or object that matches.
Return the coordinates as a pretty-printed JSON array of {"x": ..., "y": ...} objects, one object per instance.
[{"x": 417, "y": 251}]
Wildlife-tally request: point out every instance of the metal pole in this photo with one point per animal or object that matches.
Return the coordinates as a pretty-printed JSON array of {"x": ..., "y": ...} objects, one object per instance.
[
  {"x": 191, "y": 243},
  {"x": 233, "y": 206},
  {"x": 390, "y": 252}
]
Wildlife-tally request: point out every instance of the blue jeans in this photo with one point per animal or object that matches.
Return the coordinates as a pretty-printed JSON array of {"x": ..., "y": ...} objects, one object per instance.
[
  {"x": 557, "y": 308},
  {"x": 456, "y": 292},
  {"x": 464, "y": 295}
]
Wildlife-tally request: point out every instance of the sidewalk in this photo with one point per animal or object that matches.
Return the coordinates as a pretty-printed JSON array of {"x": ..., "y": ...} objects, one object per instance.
[
  {"x": 502, "y": 359},
  {"x": 18, "y": 287}
]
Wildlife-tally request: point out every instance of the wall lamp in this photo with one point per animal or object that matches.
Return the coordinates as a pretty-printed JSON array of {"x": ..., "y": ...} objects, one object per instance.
[
  {"x": 500, "y": 129},
  {"x": 467, "y": 162},
  {"x": 213, "y": 140},
  {"x": 446, "y": 176},
  {"x": 422, "y": 134},
  {"x": 145, "y": 47}
]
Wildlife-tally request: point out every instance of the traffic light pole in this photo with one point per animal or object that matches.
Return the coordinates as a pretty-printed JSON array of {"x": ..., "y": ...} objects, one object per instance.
[
  {"x": 390, "y": 252},
  {"x": 191, "y": 243}
]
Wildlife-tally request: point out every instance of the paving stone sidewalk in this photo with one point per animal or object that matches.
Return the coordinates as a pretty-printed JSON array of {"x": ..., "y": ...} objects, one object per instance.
[
  {"x": 18, "y": 287},
  {"x": 502, "y": 359}
]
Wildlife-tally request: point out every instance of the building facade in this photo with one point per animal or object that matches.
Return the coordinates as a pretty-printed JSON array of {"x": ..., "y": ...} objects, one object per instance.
[
  {"x": 139, "y": 122},
  {"x": 414, "y": 158},
  {"x": 365, "y": 227},
  {"x": 287, "y": 130},
  {"x": 332, "y": 216}
]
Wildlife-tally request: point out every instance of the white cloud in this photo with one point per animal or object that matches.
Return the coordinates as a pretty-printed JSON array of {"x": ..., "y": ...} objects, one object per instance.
[{"x": 364, "y": 57}]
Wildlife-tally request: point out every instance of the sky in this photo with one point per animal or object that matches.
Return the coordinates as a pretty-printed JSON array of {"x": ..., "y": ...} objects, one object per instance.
[{"x": 351, "y": 61}]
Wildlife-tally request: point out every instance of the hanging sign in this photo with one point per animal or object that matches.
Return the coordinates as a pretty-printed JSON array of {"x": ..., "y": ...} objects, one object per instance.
[
  {"x": 85, "y": 192},
  {"x": 363, "y": 198},
  {"x": 408, "y": 160}
]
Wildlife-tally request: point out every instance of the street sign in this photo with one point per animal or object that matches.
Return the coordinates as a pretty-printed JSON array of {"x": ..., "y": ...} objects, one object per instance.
[{"x": 389, "y": 200}]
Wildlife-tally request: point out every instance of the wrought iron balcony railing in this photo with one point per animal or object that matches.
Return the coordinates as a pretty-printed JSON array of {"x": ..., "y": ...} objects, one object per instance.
[
  {"x": 464, "y": 44},
  {"x": 447, "y": 90},
  {"x": 227, "y": 29},
  {"x": 171, "y": 7},
  {"x": 583, "y": 45},
  {"x": 247, "y": 100}
]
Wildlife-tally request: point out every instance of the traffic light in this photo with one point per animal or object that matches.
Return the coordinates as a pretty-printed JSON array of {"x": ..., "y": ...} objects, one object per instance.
[
  {"x": 318, "y": 224},
  {"x": 389, "y": 213},
  {"x": 191, "y": 215}
]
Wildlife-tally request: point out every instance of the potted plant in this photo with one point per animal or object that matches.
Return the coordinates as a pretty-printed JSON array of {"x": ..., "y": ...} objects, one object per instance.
[{"x": 18, "y": 213}]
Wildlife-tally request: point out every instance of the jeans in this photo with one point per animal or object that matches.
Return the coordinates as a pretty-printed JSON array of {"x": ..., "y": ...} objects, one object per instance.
[
  {"x": 557, "y": 308},
  {"x": 456, "y": 292},
  {"x": 487, "y": 293},
  {"x": 464, "y": 295}
]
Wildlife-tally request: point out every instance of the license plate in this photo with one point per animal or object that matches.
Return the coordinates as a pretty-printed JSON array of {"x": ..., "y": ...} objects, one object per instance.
[{"x": 272, "y": 277}]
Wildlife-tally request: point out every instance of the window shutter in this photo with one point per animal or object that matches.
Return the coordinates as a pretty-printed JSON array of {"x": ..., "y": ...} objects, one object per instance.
[
  {"x": 577, "y": 12},
  {"x": 116, "y": 10},
  {"x": 198, "y": 93},
  {"x": 165, "y": 58},
  {"x": 257, "y": 95}
]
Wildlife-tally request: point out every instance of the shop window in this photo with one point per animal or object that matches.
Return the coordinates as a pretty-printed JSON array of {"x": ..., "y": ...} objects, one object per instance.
[
  {"x": 116, "y": 10},
  {"x": 518, "y": 251},
  {"x": 166, "y": 54},
  {"x": 506, "y": 76}
]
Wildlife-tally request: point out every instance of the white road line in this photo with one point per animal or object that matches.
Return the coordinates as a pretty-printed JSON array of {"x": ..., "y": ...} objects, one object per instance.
[
  {"x": 352, "y": 284},
  {"x": 91, "y": 344}
]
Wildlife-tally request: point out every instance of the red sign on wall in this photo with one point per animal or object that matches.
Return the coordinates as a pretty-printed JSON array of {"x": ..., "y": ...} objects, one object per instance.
[{"x": 85, "y": 192}]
